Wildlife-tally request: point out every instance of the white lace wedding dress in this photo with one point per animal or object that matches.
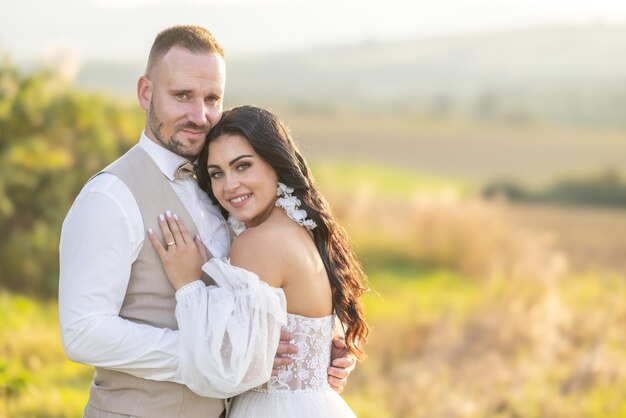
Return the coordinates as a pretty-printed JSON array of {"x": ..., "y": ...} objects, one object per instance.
[
  {"x": 230, "y": 334},
  {"x": 300, "y": 390}
]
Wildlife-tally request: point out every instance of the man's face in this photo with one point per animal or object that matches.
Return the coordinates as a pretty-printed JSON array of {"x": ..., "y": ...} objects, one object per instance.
[{"x": 183, "y": 96}]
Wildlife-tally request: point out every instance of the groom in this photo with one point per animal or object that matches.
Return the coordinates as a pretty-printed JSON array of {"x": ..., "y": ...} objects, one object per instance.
[{"x": 116, "y": 306}]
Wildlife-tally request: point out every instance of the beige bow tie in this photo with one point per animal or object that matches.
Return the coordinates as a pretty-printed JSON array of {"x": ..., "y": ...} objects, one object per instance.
[{"x": 185, "y": 170}]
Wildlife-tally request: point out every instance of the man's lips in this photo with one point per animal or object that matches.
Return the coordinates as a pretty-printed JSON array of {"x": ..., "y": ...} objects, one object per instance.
[{"x": 193, "y": 132}]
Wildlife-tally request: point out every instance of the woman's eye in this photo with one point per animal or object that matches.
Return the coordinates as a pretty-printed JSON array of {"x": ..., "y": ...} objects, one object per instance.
[
  {"x": 215, "y": 174},
  {"x": 243, "y": 166}
]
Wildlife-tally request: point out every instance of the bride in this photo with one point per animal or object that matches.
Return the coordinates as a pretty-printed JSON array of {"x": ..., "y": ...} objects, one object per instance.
[{"x": 289, "y": 239}]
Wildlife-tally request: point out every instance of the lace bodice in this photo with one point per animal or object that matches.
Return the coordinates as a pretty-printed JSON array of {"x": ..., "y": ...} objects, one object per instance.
[{"x": 313, "y": 337}]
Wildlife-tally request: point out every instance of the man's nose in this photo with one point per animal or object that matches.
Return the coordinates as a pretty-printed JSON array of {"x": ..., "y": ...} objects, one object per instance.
[{"x": 198, "y": 113}]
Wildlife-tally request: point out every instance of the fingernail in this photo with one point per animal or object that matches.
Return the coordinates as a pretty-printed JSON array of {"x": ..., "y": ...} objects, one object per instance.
[
  {"x": 150, "y": 231},
  {"x": 161, "y": 217},
  {"x": 198, "y": 237},
  {"x": 168, "y": 213},
  {"x": 176, "y": 216}
]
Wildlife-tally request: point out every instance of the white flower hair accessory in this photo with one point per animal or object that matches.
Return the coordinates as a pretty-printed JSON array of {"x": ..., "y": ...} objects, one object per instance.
[
  {"x": 237, "y": 226},
  {"x": 291, "y": 206}
]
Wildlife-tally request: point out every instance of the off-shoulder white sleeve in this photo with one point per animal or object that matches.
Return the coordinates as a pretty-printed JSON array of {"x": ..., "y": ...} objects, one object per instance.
[{"x": 228, "y": 333}]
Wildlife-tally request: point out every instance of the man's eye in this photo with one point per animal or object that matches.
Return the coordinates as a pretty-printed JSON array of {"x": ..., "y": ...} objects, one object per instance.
[{"x": 181, "y": 96}]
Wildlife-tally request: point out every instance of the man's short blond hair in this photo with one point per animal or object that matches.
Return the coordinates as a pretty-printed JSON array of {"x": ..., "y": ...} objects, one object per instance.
[{"x": 194, "y": 38}]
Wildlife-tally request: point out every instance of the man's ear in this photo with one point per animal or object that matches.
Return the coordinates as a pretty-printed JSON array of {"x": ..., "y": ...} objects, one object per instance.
[{"x": 144, "y": 92}]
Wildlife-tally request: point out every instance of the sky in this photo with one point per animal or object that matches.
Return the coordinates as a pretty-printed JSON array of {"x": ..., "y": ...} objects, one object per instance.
[{"x": 123, "y": 30}]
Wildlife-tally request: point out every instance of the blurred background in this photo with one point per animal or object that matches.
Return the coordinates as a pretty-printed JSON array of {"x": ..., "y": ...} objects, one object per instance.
[{"x": 474, "y": 149}]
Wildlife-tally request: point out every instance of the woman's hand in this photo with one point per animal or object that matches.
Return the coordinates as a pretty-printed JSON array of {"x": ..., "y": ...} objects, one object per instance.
[{"x": 184, "y": 256}]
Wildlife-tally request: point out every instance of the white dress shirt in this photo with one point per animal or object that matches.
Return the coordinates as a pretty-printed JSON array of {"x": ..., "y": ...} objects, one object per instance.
[{"x": 94, "y": 274}]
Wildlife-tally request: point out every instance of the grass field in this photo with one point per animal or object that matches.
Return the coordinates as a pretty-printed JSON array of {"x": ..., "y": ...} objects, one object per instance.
[
  {"x": 593, "y": 238},
  {"x": 473, "y": 314},
  {"x": 478, "y": 308},
  {"x": 36, "y": 380},
  {"x": 441, "y": 346},
  {"x": 460, "y": 149}
]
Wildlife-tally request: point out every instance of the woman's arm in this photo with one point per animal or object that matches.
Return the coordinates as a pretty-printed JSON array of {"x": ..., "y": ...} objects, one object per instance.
[{"x": 220, "y": 355}]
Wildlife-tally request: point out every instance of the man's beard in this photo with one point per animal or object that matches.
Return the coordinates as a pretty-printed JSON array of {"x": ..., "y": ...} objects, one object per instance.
[{"x": 155, "y": 124}]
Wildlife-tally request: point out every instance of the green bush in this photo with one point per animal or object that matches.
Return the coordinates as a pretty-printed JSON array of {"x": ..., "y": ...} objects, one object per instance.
[{"x": 52, "y": 139}]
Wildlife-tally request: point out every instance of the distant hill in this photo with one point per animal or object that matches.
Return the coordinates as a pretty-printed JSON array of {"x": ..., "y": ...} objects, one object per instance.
[{"x": 567, "y": 74}]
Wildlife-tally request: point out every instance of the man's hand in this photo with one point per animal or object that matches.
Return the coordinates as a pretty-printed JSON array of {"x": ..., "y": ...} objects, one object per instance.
[
  {"x": 342, "y": 364},
  {"x": 284, "y": 349}
]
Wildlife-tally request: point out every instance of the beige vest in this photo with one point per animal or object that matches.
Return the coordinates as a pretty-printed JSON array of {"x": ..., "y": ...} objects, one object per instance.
[{"x": 149, "y": 300}]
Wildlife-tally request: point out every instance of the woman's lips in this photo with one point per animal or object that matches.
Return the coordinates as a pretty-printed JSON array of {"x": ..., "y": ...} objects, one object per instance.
[{"x": 239, "y": 200}]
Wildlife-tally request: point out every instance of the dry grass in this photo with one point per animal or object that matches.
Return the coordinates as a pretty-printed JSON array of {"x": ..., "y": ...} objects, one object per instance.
[
  {"x": 592, "y": 238},
  {"x": 459, "y": 149},
  {"x": 474, "y": 315},
  {"x": 444, "y": 228}
]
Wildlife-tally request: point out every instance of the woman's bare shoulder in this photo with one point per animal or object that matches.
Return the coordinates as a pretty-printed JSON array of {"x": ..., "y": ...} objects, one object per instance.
[
  {"x": 262, "y": 251},
  {"x": 263, "y": 239}
]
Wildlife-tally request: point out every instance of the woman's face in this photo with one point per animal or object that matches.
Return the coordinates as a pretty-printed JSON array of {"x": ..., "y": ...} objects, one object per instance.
[{"x": 243, "y": 183}]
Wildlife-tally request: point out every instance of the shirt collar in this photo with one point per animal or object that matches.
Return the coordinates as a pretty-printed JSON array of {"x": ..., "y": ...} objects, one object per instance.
[{"x": 166, "y": 160}]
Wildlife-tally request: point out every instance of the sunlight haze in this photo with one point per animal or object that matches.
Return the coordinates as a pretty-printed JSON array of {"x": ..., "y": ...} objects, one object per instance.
[{"x": 123, "y": 30}]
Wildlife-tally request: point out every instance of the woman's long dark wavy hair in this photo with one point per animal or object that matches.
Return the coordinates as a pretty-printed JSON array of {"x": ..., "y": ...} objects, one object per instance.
[{"x": 270, "y": 139}]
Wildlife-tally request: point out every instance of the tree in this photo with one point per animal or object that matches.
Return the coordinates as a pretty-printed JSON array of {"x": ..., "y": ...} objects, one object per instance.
[{"x": 52, "y": 139}]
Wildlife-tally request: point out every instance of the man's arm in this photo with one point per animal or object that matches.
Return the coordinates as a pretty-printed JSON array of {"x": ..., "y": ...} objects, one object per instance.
[
  {"x": 342, "y": 364},
  {"x": 284, "y": 351},
  {"x": 99, "y": 241}
]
